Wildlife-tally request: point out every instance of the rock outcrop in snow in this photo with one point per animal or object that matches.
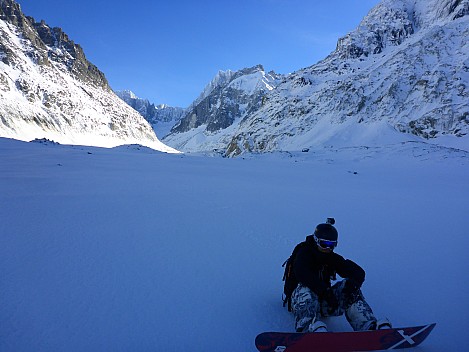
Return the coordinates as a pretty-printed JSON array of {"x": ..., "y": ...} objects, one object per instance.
[{"x": 48, "y": 89}]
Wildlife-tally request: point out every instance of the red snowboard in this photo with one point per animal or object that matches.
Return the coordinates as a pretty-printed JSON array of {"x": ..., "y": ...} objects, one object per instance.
[{"x": 343, "y": 341}]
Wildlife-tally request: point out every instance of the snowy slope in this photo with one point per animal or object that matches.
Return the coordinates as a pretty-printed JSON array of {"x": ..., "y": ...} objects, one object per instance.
[
  {"x": 128, "y": 249},
  {"x": 49, "y": 90}
]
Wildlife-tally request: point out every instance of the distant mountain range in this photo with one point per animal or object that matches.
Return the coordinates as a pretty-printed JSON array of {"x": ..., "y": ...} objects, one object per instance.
[
  {"x": 48, "y": 89},
  {"x": 162, "y": 117},
  {"x": 403, "y": 74}
]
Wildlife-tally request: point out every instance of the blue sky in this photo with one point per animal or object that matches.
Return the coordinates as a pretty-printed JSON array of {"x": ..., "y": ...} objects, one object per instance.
[{"x": 167, "y": 51}]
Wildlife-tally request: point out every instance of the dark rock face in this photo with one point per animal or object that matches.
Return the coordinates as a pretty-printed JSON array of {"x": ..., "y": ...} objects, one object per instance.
[
  {"x": 239, "y": 93},
  {"x": 50, "y": 44},
  {"x": 390, "y": 27}
]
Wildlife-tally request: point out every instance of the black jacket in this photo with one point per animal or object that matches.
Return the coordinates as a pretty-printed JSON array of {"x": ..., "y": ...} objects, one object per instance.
[{"x": 315, "y": 269}]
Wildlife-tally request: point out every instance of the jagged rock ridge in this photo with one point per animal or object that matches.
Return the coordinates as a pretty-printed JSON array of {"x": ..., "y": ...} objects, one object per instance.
[
  {"x": 228, "y": 97},
  {"x": 51, "y": 44},
  {"x": 48, "y": 89},
  {"x": 225, "y": 101}
]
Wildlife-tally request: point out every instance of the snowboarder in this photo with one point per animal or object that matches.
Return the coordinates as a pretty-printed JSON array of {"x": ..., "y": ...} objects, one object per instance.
[{"x": 315, "y": 266}]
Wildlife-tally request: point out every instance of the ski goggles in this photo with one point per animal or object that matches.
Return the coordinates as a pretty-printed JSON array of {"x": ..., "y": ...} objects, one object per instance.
[{"x": 325, "y": 244}]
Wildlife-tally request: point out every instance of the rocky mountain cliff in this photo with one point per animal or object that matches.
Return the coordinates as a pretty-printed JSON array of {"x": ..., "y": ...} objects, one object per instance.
[
  {"x": 403, "y": 74},
  {"x": 48, "y": 89},
  {"x": 405, "y": 69},
  {"x": 224, "y": 102}
]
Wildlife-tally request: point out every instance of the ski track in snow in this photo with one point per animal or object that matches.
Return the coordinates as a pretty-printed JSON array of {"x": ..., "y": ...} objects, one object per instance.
[{"x": 129, "y": 249}]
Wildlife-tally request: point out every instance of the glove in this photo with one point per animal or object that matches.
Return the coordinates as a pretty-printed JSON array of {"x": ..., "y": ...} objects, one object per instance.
[{"x": 331, "y": 300}]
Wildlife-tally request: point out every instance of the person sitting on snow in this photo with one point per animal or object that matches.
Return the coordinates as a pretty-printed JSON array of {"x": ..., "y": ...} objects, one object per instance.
[{"x": 315, "y": 266}]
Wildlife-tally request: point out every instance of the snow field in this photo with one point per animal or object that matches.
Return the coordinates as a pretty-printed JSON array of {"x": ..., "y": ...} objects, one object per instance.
[{"x": 128, "y": 249}]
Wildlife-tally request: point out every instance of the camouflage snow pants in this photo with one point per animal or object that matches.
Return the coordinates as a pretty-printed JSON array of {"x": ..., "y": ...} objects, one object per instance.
[{"x": 308, "y": 308}]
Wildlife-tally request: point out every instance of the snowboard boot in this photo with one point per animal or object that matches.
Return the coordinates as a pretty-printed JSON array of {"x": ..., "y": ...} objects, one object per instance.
[
  {"x": 383, "y": 324},
  {"x": 370, "y": 325},
  {"x": 317, "y": 326},
  {"x": 377, "y": 325}
]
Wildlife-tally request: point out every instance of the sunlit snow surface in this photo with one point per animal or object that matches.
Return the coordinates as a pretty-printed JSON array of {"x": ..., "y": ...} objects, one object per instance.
[{"x": 129, "y": 249}]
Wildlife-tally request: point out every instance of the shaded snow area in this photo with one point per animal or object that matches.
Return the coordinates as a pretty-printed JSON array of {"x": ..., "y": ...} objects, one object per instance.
[{"x": 128, "y": 249}]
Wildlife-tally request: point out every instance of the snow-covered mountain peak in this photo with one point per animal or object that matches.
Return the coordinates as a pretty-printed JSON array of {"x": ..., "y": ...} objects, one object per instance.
[
  {"x": 253, "y": 80},
  {"x": 48, "y": 89},
  {"x": 229, "y": 97},
  {"x": 126, "y": 94},
  {"x": 391, "y": 22},
  {"x": 245, "y": 79},
  {"x": 405, "y": 67},
  {"x": 220, "y": 79},
  {"x": 401, "y": 75}
]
